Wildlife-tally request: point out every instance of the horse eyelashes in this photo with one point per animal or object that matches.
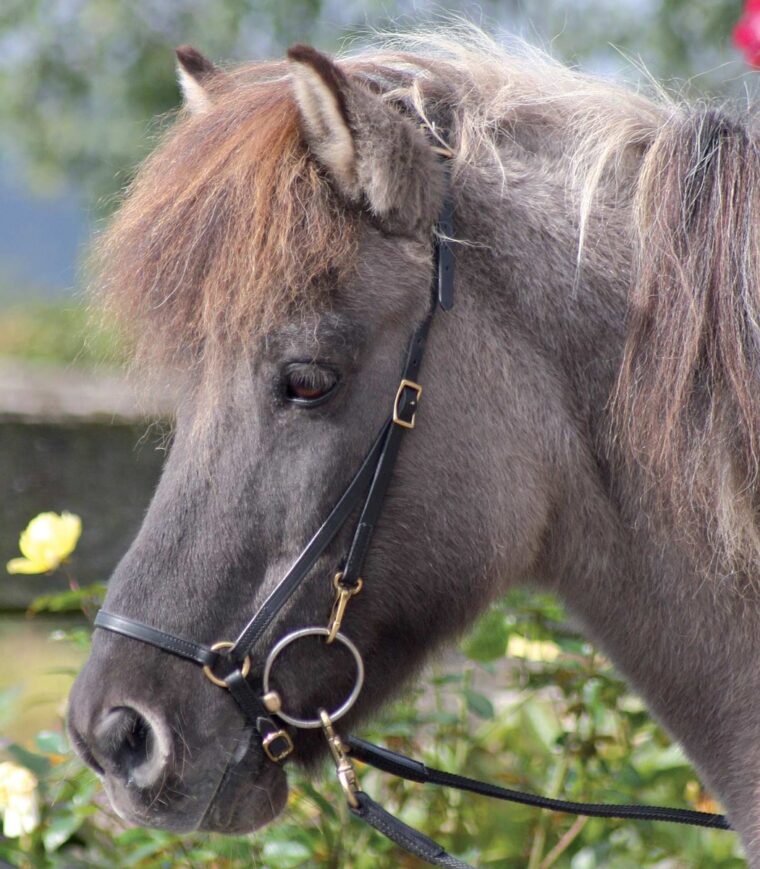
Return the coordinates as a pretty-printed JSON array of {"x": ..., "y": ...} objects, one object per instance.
[{"x": 308, "y": 384}]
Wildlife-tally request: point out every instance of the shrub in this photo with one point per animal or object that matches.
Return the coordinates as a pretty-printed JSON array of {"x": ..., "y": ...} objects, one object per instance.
[{"x": 525, "y": 703}]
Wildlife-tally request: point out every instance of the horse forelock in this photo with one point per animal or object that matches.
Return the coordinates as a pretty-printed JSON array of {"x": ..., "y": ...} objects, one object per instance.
[{"x": 227, "y": 227}]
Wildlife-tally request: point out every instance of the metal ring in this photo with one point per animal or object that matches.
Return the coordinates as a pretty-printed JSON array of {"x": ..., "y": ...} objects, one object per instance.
[
  {"x": 314, "y": 723},
  {"x": 209, "y": 673}
]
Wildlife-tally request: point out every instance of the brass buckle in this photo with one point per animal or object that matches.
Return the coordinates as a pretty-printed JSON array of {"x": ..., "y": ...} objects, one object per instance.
[
  {"x": 209, "y": 673},
  {"x": 270, "y": 738},
  {"x": 402, "y": 386},
  {"x": 342, "y": 597},
  {"x": 344, "y": 769}
]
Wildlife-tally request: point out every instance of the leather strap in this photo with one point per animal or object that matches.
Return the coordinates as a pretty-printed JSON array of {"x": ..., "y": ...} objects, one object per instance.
[
  {"x": 246, "y": 697},
  {"x": 406, "y": 408},
  {"x": 405, "y": 837},
  {"x": 196, "y": 652},
  {"x": 412, "y": 770},
  {"x": 266, "y": 613}
]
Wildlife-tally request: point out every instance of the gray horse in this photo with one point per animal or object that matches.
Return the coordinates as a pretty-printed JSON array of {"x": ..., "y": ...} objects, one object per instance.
[{"x": 590, "y": 418}]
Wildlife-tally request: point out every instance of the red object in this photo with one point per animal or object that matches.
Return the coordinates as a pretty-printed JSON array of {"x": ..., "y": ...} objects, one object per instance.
[{"x": 747, "y": 33}]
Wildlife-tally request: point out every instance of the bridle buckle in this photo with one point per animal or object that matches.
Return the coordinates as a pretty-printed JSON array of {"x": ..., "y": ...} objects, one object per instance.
[
  {"x": 245, "y": 668},
  {"x": 268, "y": 743},
  {"x": 342, "y": 596},
  {"x": 406, "y": 384}
]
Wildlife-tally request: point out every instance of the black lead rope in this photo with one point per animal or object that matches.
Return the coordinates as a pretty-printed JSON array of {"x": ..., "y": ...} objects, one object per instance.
[
  {"x": 425, "y": 848},
  {"x": 406, "y": 837},
  {"x": 413, "y": 770}
]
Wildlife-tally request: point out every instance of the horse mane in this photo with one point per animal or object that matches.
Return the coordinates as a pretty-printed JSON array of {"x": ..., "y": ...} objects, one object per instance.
[
  {"x": 230, "y": 224},
  {"x": 687, "y": 400},
  {"x": 686, "y": 405}
]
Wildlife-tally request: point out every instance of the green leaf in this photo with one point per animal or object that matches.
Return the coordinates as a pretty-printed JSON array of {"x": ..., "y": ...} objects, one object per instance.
[
  {"x": 540, "y": 722},
  {"x": 59, "y": 830},
  {"x": 52, "y": 742},
  {"x": 488, "y": 640},
  {"x": 479, "y": 704},
  {"x": 38, "y": 764},
  {"x": 70, "y": 600}
]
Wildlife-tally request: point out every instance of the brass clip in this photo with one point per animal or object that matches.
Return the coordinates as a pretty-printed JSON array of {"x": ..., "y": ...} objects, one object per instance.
[
  {"x": 343, "y": 766},
  {"x": 342, "y": 597}
]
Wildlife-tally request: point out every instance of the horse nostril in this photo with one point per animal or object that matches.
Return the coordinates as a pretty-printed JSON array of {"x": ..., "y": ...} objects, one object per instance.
[
  {"x": 129, "y": 747},
  {"x": 82, "y": 749}
]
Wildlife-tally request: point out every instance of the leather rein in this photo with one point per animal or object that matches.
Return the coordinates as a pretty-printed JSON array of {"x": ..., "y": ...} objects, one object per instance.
[{"x": 228, "y": 664}]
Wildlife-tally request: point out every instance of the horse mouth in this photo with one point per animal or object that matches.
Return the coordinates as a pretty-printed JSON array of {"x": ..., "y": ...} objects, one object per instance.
[
  {"x": 246, "y": 799},
  {"x": 243, "y": 796}
]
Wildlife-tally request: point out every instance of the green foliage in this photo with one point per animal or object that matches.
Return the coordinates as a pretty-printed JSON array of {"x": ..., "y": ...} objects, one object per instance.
[
  {"x": 567, "y": 728},
  {"x": 79, "y": 85},
  {"x": 72, "y": 600},
  {"x": 56, "y": 332}
]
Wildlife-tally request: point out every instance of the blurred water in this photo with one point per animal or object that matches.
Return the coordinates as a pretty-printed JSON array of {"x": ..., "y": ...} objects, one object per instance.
[
  {"x": 36, "y": 675},
  {"x": 29, "y": 225}
]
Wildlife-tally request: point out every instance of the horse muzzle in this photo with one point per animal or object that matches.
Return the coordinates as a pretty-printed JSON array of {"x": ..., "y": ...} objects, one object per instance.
[{"x": 170, "y": 772}]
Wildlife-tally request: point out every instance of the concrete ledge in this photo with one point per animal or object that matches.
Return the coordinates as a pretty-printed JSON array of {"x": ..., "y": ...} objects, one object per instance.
[{"x": 38, "y": 392}]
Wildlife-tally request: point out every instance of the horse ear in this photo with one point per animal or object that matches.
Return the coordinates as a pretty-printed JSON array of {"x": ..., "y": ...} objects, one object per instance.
[
  {"x": 370, "y": 149},
  {"x": 321, "y": 88},
  {"x": 194, "y": 71}
]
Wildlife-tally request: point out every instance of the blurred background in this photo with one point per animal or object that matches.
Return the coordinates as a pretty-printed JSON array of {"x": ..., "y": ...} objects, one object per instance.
[{"x": 85, "y": 86}]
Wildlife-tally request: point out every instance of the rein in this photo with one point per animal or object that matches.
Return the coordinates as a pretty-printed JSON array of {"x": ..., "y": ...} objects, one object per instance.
[{"x": 228, "y": 664}]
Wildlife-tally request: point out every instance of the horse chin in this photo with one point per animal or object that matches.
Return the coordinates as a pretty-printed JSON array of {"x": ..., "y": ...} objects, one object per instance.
[
  {"x": 250, "y": 794},
  {"x": 246, "y": 799}
]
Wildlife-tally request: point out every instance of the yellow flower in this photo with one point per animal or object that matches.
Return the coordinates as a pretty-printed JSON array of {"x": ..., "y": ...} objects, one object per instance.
[
  {"x": 700, "y": 799},
  {"x": 18, "y": 800},
  {"x": 47, "y": 540},
  {"x": 532, "y": 650}
]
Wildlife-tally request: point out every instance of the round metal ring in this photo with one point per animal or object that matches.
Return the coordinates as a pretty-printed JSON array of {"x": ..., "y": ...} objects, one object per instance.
[
  {"x": 209, "y": 673},
  {"x": 314, "y": 723}
]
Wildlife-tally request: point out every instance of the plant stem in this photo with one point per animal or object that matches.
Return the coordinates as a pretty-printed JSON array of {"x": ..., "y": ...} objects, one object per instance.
[
  {"x": 564, "y": 843},
  {"x": 539, "y": 840}
]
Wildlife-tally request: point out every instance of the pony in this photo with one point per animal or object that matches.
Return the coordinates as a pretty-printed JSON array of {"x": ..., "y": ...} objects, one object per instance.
[{"x": 590, "y": 418}]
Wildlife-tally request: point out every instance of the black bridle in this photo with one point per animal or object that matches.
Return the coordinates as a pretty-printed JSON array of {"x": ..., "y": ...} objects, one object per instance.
[{"x": 261, "y": 706}]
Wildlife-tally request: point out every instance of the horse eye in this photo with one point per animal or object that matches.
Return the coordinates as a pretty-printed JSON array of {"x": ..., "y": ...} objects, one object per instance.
[{"x": 308, "y": 384}]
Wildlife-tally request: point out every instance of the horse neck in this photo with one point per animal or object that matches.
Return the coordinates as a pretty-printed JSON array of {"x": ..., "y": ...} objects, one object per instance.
[
  {"x": 685, "y": 638},
  {"x": 685, "y": 634}
]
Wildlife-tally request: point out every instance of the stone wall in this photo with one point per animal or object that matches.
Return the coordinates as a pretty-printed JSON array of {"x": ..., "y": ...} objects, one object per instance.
[{"x": 72, "y": 440}]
